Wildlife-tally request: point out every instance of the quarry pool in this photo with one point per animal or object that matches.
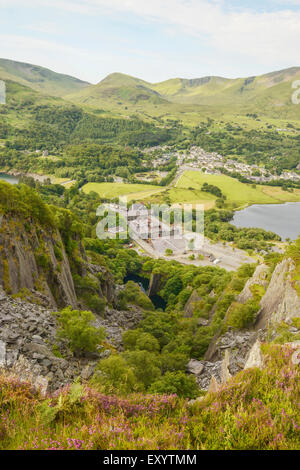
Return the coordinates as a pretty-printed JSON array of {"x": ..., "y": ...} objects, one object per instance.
[
  {"x": 283, "y": 219},
  {"x": 157, "y": 301}
]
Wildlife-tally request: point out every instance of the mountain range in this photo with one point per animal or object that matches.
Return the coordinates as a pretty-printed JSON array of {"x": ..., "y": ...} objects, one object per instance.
[{"x": 121, "y": 94}]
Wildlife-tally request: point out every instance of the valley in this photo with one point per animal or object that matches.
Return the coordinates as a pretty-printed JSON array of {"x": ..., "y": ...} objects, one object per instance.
[{"x": 123, "y": 328}]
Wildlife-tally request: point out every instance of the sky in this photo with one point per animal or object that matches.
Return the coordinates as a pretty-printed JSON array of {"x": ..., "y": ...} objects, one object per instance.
[{"x": 152, "y": 39}]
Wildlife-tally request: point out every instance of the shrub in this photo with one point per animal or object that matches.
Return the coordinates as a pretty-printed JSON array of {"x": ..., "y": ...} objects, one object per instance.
[
  {"x": 133, "y": 294},
  {"x": 172, "y": 361},
  {"x": 147, "y": 342},
  {"x": 130, "y": 338},
  {"x": 116, "y": 375},
  {"x": 138, "y": 340},
  {"x": 242, "y": 315},
  {"x": 146, "y": 366},
  {"x": 58, "y": 253},
  {"x": 75, "y": 326},
  {"x": 176, "y": 382},
  {"x": 95, "y": 303}
]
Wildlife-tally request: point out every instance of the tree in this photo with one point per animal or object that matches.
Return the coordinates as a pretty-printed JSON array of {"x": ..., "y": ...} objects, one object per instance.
[
  {"x": 117, "y": 375},
  {"x": 242, "y": 315},
  {"x": 147, "y": 342},
  {"x": 176, "y": 382},
  {"x": 75, "y": 326},
  {"x": 146, "y": 366}
]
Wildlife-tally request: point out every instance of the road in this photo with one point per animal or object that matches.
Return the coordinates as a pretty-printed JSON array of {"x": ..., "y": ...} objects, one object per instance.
[{"x": 230, "y": 258}]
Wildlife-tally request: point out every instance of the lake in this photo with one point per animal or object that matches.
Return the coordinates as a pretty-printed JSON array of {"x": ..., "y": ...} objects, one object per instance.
[
  {"x": 9, "y": 178},
  {"x": 282, "y": 219}
]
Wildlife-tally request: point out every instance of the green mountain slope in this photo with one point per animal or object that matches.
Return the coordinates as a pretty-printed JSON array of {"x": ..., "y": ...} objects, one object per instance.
[
  {"x": 118, "y": 87},
  {"x": 182, "y": 90},
  {"x": 268, "y": 94},
  {"x": 122, "y": 94},
  {"x": 188, "y": 101},
  {"x": 39, "y": 78},
  {"x": 218, "y": 90}
]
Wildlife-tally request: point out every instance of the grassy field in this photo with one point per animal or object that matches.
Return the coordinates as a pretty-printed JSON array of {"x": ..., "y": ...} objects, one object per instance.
[
  {"x": 189, "y": 187},
  {"x": 112, "y": 190},
  {"x": 178, "y": 196},
  {"x": 280, "y": 195},
  {"x": 188, "y": 191}
]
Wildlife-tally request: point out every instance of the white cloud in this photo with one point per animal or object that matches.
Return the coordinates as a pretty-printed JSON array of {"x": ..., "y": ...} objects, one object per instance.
[
  {"x": 270, "y": 38},
  {"x": 266, "y": 36},
  {"x": 50, "y": 54}
]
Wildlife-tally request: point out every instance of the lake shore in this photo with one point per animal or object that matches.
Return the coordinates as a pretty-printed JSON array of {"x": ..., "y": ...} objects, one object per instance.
[
  {"x": 19, "y": 174},
  {"x": 282, "y": 219}
]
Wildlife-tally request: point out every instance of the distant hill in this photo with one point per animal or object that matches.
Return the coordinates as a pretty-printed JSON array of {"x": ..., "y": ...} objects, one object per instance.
[
  {"x": 189, "y": 101},
  {"x": 268, "y": 94},
  {"x": 120, "y": 87},
  {"x": 40, "y": 78},
  {"x": 272, "y": 89}
]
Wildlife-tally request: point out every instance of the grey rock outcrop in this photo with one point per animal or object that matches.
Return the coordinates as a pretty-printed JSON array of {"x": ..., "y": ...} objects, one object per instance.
[
  {"x": 52, "y": 283},
  {"x": 2, "y": 354},
  {"x": 255, "y": 358},
  {"x": 155, "y": 284},
  {"x": 225, "y": 374},
  {"x": 281, "y": 301},
  {"x": 195, "y": 367},
  {"x": 226, "y": 356},
  {"x": 260, "y": 277}
]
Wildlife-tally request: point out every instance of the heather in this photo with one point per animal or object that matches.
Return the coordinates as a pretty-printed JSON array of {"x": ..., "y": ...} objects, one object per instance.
[{"x": 257, "y": 409}]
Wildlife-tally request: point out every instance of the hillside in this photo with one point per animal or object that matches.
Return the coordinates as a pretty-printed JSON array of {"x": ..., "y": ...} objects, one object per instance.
[
  {"x": 118, "y": 87},
  {"x": 32, "y": 120},
  {"x": 257, "y": 410},
  {"x": 189, "y": 101},
  {"x": 215, "y": 368},
  {"x": 125, "y": 95},
  {"x": 275, "y": 87},
  {"x": 39, "y": 78},
  {"x": 268, "y": 95}
]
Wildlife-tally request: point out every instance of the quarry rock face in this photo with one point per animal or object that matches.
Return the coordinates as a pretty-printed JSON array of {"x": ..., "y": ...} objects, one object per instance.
[
  {"x": 28, "y": 329},
  {"x": 281, "y": 301},
  {"x": 35, "y": 260},
  {"x": 260, "y": 277},
  {"x": 155, "y": 284},
  {"x": 226, "y": 356},
  {"x": 19, "y": 269}
]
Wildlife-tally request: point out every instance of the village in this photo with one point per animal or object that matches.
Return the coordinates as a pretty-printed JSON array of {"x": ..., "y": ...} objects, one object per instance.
[{"x": 213, "y": 163}]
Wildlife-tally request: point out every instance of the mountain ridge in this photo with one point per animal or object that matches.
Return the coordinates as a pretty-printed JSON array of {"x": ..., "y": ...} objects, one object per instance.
[
  {"x": 39, "y": 78},
  {"x": 181, "y": 99}
]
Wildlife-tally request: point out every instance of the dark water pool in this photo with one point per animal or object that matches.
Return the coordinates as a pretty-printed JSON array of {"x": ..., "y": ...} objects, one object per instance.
[{"x": 143, "y": 282}]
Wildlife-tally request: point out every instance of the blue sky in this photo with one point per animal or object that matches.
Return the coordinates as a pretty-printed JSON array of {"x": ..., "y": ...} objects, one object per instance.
[{"x": 152, "y": 39}]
